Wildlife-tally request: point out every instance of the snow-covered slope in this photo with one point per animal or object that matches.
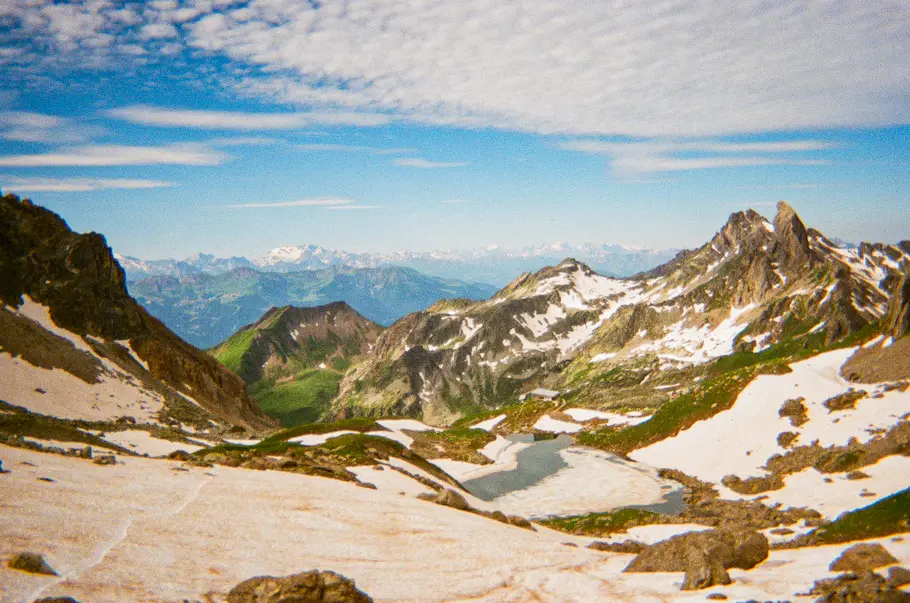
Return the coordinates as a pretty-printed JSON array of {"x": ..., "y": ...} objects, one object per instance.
[
  {"x": 745, "y": 440},
  {"x": 141, "y": 531}
]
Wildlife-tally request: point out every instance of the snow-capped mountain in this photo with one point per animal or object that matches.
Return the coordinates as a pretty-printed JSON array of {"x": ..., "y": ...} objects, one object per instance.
[{"x": 491, "y": 264}]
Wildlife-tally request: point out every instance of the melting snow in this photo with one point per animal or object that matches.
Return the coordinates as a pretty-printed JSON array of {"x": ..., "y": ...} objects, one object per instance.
[
  {"x": 315, "y": 439},
  {"x": 547, "y": 423},
  {"x": 489, "y": 424},
  {"x": 142, "y": 442},
  {"x": 603, "y": 356}
]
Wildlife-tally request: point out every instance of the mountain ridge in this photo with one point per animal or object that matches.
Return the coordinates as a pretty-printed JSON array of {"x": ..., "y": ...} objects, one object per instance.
[
  {"x": 484, "y": 264},
  {"x": 207, "y": 308},
  {"x": 755, "y": 284},
  {"x": 83, "y": 290}
]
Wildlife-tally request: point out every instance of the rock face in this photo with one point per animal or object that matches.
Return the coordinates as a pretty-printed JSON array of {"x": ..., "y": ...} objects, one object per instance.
[
  {"x": 307, "y": 587},
  {"x": 862, "y": 557},
  {"x": 32, "y": 563},
  {"x": 897, "y": 319},
  {"x": 78, "y": 279},
  {"x": 703, "y": 556}
]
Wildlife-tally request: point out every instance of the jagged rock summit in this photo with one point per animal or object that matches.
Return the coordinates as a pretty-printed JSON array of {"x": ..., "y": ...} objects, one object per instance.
[{"x": 65, "y": 305}]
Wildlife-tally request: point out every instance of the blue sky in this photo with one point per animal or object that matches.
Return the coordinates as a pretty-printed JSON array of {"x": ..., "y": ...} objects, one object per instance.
[{"x": 376, "y": 125}]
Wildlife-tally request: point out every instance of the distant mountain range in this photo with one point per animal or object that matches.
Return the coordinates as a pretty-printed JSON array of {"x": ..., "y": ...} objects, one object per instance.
[
  {"x": 205, "y": 309},
  {"x": 486, "y": 265}
]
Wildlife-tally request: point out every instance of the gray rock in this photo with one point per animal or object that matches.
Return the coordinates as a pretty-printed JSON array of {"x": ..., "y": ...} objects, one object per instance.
[
  {"x": 32, "y": 563},
  {"x": 450, "y": 498},
  {"x": 307, "y": 587},
  {"x": 862, "y": 557},
  {"x": 740, "y": 549},
  {"x": 867, "y": 587},
  {"x": 105, "y": 459},
  {"x": 703, "y": 570}
]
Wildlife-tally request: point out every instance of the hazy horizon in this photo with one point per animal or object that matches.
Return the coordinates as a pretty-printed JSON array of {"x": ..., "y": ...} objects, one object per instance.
[{"x": 232, "y": 128}]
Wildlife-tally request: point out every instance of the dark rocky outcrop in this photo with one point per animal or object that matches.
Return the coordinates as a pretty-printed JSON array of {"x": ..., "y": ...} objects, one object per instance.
[
  {"x": 56, "y": 600},
  {"x": 78, "y": 279},
  {"x": 626, "y": 546},
  {"x": 862, "y": 557},
  {"x": 753, "y": 485},
  {"x": 32, "y": 563},
  {"x": 866, "y": 587},
  {"x": 703, "y": 556},
  {"x": 307, "y": 587}
]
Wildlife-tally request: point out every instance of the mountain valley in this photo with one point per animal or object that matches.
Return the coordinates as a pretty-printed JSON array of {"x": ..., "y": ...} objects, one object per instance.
[{"x": 731, "y": 425}]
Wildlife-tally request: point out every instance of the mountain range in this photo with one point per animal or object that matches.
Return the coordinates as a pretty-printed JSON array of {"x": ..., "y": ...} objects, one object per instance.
[
  {"x": 205, "y": 309},
  {"x": 483, "y": 265},
  {"x": 757, "y": 284}
]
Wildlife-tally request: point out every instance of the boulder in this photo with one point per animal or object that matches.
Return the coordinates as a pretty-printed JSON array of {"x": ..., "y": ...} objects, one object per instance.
[
  {"x": 704, "y": 556},
  {"x": 105, "y": 459},
  {"x": 862, "y": 557},
  {"x": 57, "y": 600},
  {"x": 626, "y": 546},
  {"x": 450, "y": 498},
  {"x": 866, "y": 587},
  {"x": 32, "y": 563},
  {"x": 307, "y": 587},
  {"x": 180, "y": 455}
]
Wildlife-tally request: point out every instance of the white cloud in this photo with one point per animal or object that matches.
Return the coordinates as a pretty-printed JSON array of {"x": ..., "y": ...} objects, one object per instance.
[
  {"x": 245, "y": 141},
  {"x": 352, "y": 148},
  {"x": 345, "y": 207},
  {"x": 642, "y": 69},
  {"x": 73, "y": 185},
  {"x": 661, "y": 68},
  {"x": 658, "y": 155},
  {"x": 25, "y": 126},
  {"x": 325, "y": 203},
  {"x": 652, "y": 147},
  {"x": 416, "y": 162},
  {"x": 652, "y": 163},
  {"x": 158, "y": 31},
  {"x": 109, "y": 155},
  {"x": 236, "y": 120}
]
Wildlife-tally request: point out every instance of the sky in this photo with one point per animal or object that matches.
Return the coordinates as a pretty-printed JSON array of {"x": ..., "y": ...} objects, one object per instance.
[{"x": 230, "y": 127}]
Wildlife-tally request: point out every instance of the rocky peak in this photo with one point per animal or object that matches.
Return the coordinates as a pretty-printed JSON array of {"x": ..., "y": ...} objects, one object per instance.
[
  {"x": 792, "y": 247},
  {"x": 740, "y": 228}
]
